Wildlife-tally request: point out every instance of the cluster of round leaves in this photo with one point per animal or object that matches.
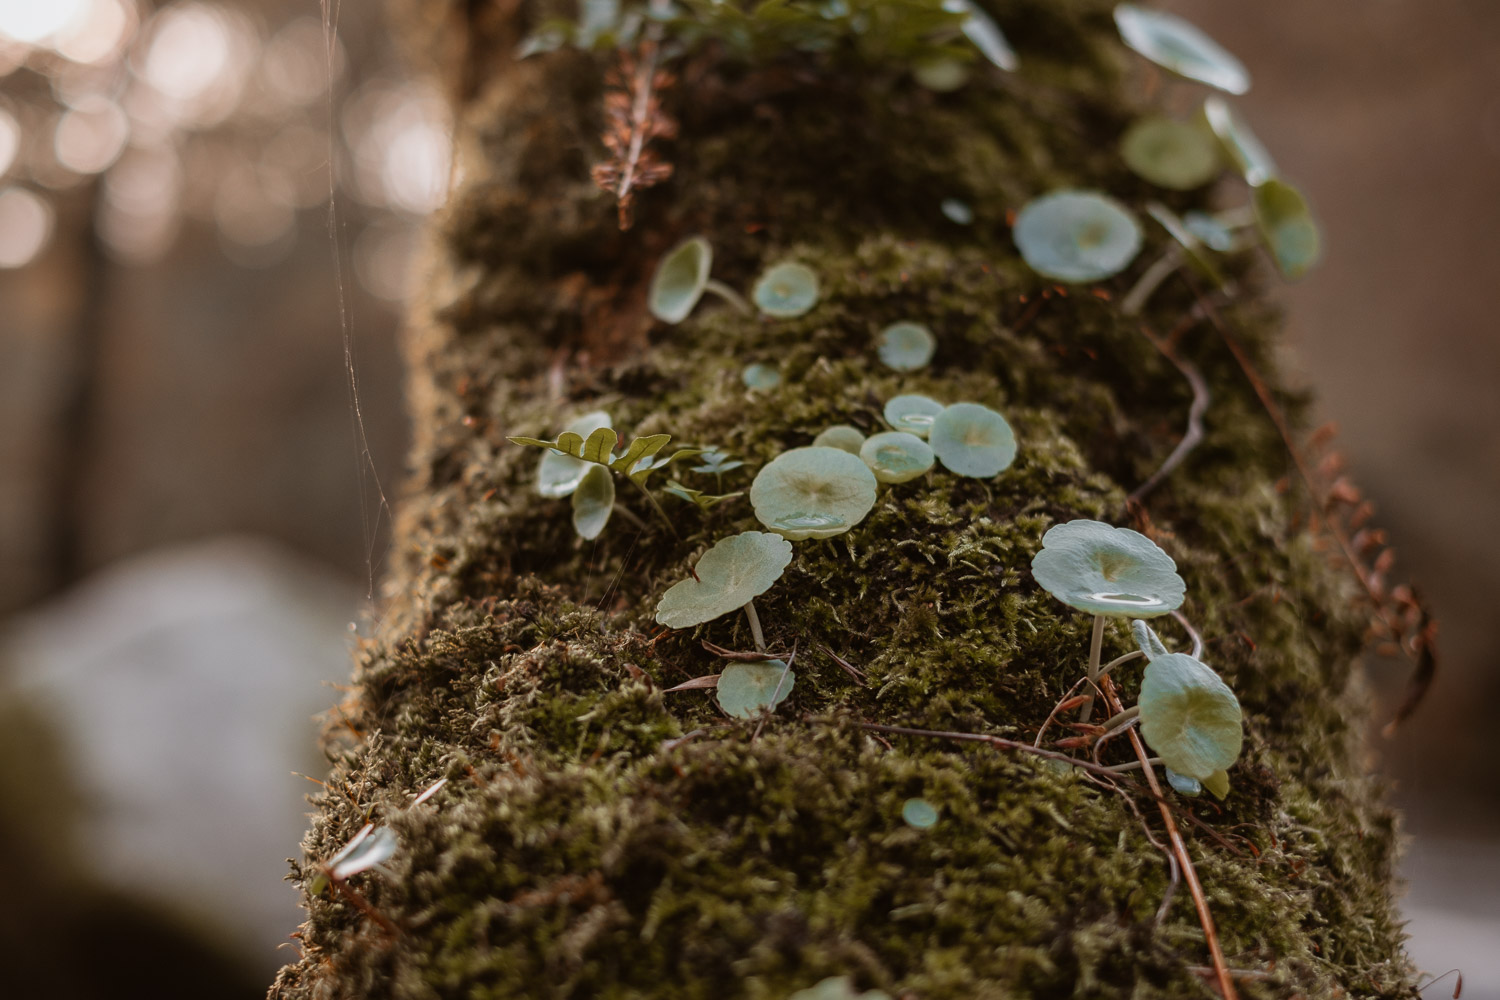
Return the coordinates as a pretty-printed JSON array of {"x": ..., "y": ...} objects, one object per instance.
[
  {"x": 684, "y": 275},
  {"x": 1189, "y": 716},
  {"x": 1087, "y": 236}
]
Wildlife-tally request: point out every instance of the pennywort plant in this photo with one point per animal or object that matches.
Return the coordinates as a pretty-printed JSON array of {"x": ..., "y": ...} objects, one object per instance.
[{"x": 1107, "y": 572}]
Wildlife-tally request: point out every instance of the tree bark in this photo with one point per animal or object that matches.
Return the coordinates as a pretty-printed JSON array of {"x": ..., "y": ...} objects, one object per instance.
[{"x": 598, "y": 837}]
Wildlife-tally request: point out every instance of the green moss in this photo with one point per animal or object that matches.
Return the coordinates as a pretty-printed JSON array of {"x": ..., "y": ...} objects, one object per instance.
[{"x": 601, "y": 838}]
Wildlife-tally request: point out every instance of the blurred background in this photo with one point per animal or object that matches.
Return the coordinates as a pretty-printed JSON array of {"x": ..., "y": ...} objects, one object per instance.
[{"x": 191, "y": 511}]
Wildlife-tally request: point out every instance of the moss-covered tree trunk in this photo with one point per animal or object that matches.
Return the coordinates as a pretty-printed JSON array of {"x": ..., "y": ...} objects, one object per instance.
[{"x": 599, "y": 837}]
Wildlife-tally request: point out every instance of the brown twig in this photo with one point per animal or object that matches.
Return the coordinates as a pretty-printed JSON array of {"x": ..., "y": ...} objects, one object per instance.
[
  {"x": 1194, "y": 436},
  {"x": 1179, "y": 848}
]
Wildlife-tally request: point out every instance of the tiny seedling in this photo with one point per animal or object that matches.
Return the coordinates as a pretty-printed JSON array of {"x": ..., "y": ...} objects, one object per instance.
[
  {"x": 716, "y": 463},
  {"x": 1171, "y": 154},
  {"x": 702, "y": 500},
  {"x": 681, "y": 279},
  {"x": 896, "y": 456},
  {"x": 813, "y": 492},
  {"x": 638, "y": 462},
  {"x": 1077, "y": 236},
  {"x": 841, "y": 436},
  {"x": 728, "y": 577},
  {"x": 558, "y": 473},
  {"x": 786, "y": 290},
  {"x": 912, "y": 414},
  {"x": 972, "y": 440},
  {"x": 919, "y": 813},
  {"x": 905, "y": 346},
  {"x": 1179, "y": 46}
]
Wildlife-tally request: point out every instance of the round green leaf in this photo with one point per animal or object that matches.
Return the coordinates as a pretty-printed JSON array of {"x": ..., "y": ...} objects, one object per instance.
[
  {"x": 760, "y": 377},
  {"x": 813, "y": 492},
  {"x": 905, "y": 346},
  {"x": 1104, "y": 570},
  {"x": 680, "y": 279},
  {"x": 1189, "y": 716},
  {"x": 912, "y": 414},
  {"x": 896, "y": 456},
  {"x": 1170, "y": 153},
  {"x": 593, "y": 501},
  {"x": 734, "y": 572},
  {"x": 919, "y": 813},
  {"x": 746, "y": 690},
  {"x": 1077, "y": 236},
  {"x": 786, "y": 290},
  {"x": 558, "y": 475},
  {"x": 841, "y": 436},
  {"x": 1175, "y": 44},
  {"x": 972, "y": 440}
]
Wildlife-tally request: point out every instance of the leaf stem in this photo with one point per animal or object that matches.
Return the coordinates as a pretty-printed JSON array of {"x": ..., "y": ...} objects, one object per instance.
[
  {"x": 728, "y": 294},
  {"x": 1096, "y": 648},
  {"x": 755, "y": 633}
]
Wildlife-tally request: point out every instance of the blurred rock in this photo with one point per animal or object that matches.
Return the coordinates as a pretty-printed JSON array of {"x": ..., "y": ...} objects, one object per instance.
[{"x": 178, "y": 689}]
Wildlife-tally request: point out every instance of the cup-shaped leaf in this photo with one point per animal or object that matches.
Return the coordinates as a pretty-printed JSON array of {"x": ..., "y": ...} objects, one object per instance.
[
  {"x": 905, "y": 346},
  {"x": 733, "y": 573},
  {"x": 1177, "y": 45},
  {"x": 786, "y": 290},
  {"x": 1244, "y": 150},
  {"x": 1104, "y": 570},
  {"x": 761, "y": 377},
  {"x": 593, "y": 501},
  {"x": 972, "y": 440},
  {"x": 1077, "y": 236},
  {"x": 746, "y": 690},
  {"x": 813, "y": 492},
  {"x": 1217, "y": 783},
  {"x": 1189, "y": 716},
  {"x": 841, "y": 436},
  {"x": 1173, "y": 154},
  {"x": 912, "y": 414},
  {"x": 896, "y": 456},
  {"x": 1287, "y": 226},
  {"x": 557, "y": 474},
  {"x": 680, "y": 279}
]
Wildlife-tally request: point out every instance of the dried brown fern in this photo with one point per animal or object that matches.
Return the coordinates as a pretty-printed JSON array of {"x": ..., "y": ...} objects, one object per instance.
[{"x": 634, "y": 119}]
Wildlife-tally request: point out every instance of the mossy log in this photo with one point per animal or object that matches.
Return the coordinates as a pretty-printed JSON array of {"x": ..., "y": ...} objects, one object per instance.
[{"x": 598, "y": 837}]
